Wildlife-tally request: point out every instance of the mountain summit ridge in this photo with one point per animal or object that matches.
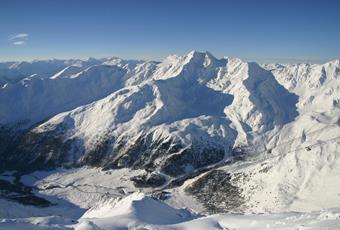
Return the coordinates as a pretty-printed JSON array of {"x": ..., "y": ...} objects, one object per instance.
[{"x": 172, "y": 119}]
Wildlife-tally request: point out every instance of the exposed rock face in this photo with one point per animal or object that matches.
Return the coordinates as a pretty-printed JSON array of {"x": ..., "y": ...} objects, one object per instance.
[
  {"x": 48, "y": 150},
  {"x": 30, "y": 151},
  {"x": 217, "y": 191},
  {"x": 152, "y": 180},
  {"x": 22, "y": 194}
]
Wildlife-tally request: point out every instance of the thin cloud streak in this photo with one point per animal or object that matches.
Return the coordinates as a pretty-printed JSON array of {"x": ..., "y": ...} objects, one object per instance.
[
  {"x": 19, "y": 36},
  {"x": 19, "y": 43}
]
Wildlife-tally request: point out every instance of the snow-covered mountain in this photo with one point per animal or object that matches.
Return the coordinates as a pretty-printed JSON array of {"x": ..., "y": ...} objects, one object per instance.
[
  {"x": 184, "y": 110},
  {"x": 267, "y": 135}
]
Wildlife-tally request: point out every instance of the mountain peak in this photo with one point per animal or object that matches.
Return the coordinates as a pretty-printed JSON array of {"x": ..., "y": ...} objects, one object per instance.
[
  {"x": 197, "y": 54},
  {"x": 206, "y": 58},
  {"x": 335, "y": 62}
]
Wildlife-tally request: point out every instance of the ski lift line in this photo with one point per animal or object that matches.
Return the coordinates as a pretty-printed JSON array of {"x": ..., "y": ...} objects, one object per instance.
[
  {"x": 313, "y": 132},
  {"x": 254, "y": 159},
  {"x": 316, "y": 144},
  {"x": 291, "y": 140},
  {"x": 309, "y": 134}
]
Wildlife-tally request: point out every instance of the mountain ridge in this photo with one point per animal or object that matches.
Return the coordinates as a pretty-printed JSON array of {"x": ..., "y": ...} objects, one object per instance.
[{"x": 174, "y": 119}]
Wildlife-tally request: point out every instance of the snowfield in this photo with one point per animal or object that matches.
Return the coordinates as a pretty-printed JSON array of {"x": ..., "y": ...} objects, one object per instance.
[
  {"x": 191, "y": 142},
  {"x": 138, "y": 211}
]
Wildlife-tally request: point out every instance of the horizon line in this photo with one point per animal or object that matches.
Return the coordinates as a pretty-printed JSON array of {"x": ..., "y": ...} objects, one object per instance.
[{"x": 260, "y": 60}]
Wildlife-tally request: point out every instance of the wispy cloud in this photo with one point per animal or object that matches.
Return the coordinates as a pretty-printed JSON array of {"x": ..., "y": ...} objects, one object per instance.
[
  {"x": 19, "y": 43},
  {"x": 19, "y": 36},
  {"x": 19, "y": 39}
]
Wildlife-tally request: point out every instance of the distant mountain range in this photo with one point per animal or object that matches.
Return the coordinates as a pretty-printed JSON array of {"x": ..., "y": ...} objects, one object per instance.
[{"x": 179, "y": 118}]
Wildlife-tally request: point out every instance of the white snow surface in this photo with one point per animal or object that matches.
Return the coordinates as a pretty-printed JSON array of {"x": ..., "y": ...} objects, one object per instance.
[
  {"x": 88, "y": 198},
  {"x": 225, "y": 102},
  {"x": 138, "y": 211}
]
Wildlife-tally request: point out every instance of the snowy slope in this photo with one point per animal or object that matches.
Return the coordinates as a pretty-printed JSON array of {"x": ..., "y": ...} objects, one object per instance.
[
  {"x": 184, "y": 112},
  {"x": 12, "y": 72},
  {"x": 42, "y": 94},
  {"x": 293, "y": 177},
  {"x": 268, "y": 136},
  {"x": 298, "y": 164},
  {"x": 138, "y": 211}
]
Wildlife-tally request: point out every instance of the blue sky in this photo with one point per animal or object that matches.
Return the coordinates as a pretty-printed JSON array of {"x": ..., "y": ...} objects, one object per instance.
[{"x": 264, "y": 31}]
